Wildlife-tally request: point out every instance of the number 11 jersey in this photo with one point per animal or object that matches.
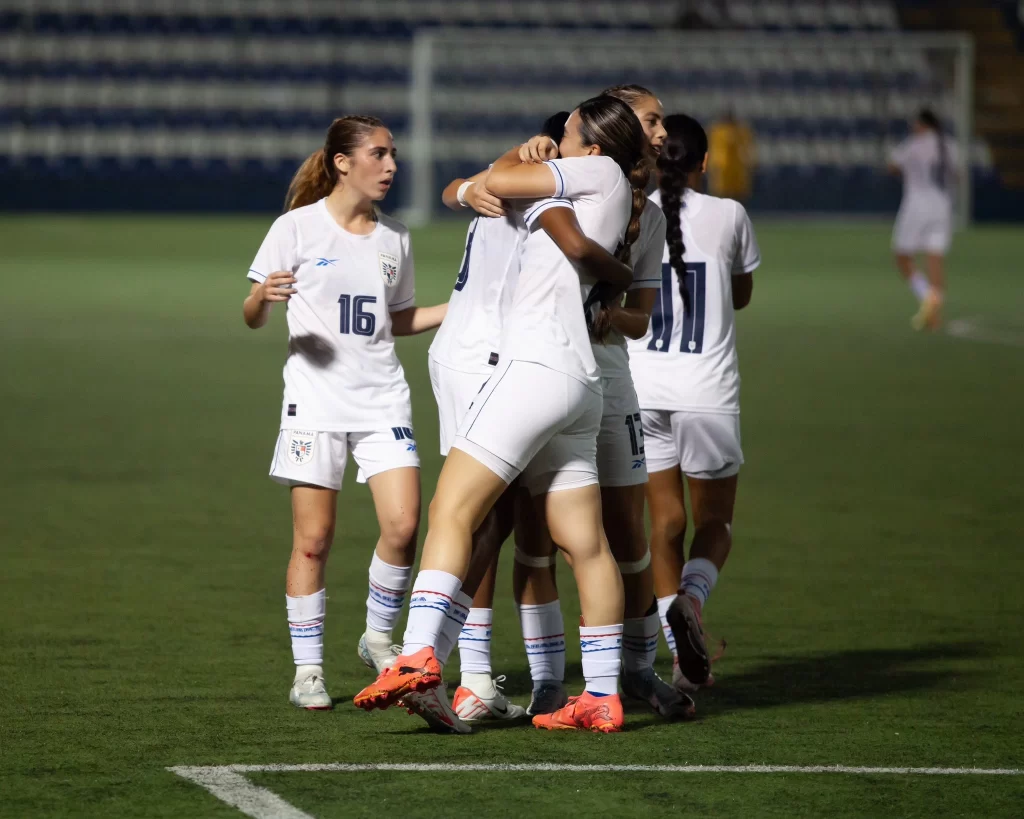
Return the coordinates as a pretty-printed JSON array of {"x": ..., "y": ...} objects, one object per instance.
[
  {"x": 687, "y": 360},
  {"x": 342, "y": 373}
]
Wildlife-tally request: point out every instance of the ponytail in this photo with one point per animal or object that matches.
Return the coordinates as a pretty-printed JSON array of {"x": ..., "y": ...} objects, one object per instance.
[
  {"x": 312, "y": 181},
  {"x": 318, "y": 175},
  {"x": 639, "y": 176},
  {"x": 682, "y": 154}
]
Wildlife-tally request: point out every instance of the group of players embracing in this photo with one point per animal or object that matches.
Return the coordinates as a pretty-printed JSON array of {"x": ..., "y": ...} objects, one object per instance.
[{"x": 585, "y": 364}]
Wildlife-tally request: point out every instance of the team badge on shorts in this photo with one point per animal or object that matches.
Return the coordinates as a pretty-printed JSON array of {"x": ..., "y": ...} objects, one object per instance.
[
  {"x": 388, "y": 268},
  {"x": 300, "y": 446}
]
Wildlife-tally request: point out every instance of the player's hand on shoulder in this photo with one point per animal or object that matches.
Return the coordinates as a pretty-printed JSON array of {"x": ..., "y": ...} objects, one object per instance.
[
  {"x": 539, "y": 149},
  {"x": 277, "y": 286},
  {"x": 483, "y": 201}
]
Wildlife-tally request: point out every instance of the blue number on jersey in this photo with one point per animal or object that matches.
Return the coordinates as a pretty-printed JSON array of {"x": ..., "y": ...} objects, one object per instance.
[
  {"x": 663, "y": 315},
  {"x": 354, "y": 318},
  {"x": 463, "y": 277}
]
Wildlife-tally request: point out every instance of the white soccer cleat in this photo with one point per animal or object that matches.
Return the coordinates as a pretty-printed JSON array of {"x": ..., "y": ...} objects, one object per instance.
[
  {"x": 433, "y": 707},
  {"x": 308, "y": 690},
  {"x": 492, "y": 704},
  {"x": 377, "y": 659}
]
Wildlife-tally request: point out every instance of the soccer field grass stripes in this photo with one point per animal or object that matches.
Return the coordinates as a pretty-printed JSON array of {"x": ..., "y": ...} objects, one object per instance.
[{"x": 229, "y": 784}]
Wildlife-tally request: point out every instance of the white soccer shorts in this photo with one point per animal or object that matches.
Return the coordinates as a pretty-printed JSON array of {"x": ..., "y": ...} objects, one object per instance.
[
  {"x": 703, "y": 445},
  {"x": 304, "y": 458},
  {"x": 535, "y": 420},
  {"x": 454, "y": 392},
  {"x": 621, "y": 460},
  {"x": 922, "y": 230}
]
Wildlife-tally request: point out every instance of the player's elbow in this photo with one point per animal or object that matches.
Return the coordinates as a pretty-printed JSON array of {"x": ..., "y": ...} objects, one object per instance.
[{"x": 742, "y": 292}]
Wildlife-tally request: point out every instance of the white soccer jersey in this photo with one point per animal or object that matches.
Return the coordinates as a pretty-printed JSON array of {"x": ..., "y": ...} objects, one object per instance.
[
  {"x": 611, "y": 356},
  {"x": 342, "y": 373},
  {"x": 687, "y": 360},
  {"x": 470, "y": 335},
  {"x": 546, "y": 323},
  {"x": 924, "y": 183}
]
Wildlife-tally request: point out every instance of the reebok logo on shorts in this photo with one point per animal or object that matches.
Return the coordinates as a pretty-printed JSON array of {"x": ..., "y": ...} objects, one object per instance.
[{"x": 300, "y": 446}]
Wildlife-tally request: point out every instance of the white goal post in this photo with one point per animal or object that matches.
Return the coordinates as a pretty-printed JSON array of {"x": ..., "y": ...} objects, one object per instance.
[{"x": 473, "y": 93}]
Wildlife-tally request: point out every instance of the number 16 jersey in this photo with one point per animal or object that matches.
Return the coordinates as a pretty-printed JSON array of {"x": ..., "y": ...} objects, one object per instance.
[
  {"x": 687, "y": 360},
  {"x": 342, "y": 373}
]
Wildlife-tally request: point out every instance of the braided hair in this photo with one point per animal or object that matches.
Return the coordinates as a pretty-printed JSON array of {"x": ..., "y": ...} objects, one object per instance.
[{"x": 682, "y": 154}]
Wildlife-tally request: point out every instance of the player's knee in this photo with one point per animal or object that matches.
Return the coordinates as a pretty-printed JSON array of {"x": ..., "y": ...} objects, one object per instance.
[
  {"x": 715, "y": 528},
  {"x": 400, "y": 532},
  {"x": 669, "y": 523},
  {"x": 313, "y": 540},
  {"x": 443, "y": 512}
]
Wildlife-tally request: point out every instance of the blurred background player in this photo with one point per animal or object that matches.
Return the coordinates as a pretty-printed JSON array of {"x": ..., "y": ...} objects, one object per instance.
[
  {"x": 346, "y": 273},
  {"x": 621, "y": 469},
  {"x": 687, "y": 378},
  {"x": 731, "y": 158},
  {"x": 926, "y": 160},
  {"x": 546, "y": 353}
]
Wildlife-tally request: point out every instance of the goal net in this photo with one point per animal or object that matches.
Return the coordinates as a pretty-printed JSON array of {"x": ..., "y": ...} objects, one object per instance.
[{"x": 825, "y": 109}]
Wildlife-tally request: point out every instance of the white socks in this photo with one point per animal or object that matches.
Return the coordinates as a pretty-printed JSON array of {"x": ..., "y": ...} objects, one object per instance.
[
  {"x": 475, "y": 642},
  {"x": 663, "y": 604},
  {"x": 699, "y": 578},
  {"x": 919, "y": 284},
  {"x": 640, "y": 641},
  {"x": 455, "y": 619},
  {"x": 601, "y": 647},
  {"x": 306, "y": 624},
  {"x": 388, "y": 585},
  {"x": 432, "y": 602},
  {"x": 544, "y": 636}
]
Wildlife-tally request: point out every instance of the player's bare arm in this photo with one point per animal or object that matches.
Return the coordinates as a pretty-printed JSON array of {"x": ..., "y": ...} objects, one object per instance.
[
  {"x": 415, "y": 320},
  {"x": 565, "y": 231},
  {"x": 475, "y": 196},
  {"x": 742, "y": 290},
  {"x": 510, "y": 178},
  {"x": 262, "y": 296},
  {"x": 633, "y": 318}
]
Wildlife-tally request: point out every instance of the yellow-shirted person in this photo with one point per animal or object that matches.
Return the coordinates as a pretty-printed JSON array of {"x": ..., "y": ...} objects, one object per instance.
[{"x": 730, "y": 159}]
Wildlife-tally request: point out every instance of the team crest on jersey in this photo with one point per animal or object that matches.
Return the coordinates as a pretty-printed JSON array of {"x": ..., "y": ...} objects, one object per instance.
[
  {"x": 300, "y": 446},
  {"x": 388, "y": 268}
]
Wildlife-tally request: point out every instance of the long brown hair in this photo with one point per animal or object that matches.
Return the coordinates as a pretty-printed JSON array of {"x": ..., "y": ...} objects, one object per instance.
[
  {"x": 611, "y": 124},
  {"x": 318, "y": 175}
]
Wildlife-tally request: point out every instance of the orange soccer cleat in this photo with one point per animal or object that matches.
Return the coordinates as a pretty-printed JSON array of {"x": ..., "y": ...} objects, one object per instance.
[
  {"x": 418, "y": 672},
  {"x": 585, "y": 712}
]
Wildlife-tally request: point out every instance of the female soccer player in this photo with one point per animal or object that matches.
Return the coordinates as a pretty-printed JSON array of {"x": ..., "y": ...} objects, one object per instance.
[
  {"x": 462, "y": 357},
  {"x": 622, "y": 472},
  {"x": 542, "y": 408},
  {"x": 687, "y": 379},
  {"x": 346, "y": 273},
  {"x": 924, "y": 225}
]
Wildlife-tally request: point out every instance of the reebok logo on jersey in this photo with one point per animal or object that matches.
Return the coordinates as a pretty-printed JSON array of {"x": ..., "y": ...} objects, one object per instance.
[
  {"x": 322, "y": 262},
  {"x": 300, "y": 446},
  {"x": 388, "y": 268}
]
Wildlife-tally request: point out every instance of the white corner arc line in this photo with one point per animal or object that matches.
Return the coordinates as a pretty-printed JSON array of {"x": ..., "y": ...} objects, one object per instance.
[{"x": 229, "y": 784}]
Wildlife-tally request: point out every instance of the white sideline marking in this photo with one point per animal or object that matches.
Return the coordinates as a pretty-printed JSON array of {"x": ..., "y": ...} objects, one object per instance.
[
  {"x": 228, "y": 783},
  {"x": 972, "y": 329}
]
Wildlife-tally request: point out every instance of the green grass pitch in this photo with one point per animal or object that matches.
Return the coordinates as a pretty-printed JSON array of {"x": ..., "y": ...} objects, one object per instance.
[{"x": 873, "y": 603}]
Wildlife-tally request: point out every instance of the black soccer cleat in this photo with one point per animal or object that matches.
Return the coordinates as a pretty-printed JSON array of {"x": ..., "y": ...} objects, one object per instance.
[{"x": 684, "y": 620}]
